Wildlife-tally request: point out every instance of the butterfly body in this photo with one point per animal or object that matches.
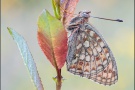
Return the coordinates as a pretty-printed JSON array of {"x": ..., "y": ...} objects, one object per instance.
[{"x": 88, "y": 54}]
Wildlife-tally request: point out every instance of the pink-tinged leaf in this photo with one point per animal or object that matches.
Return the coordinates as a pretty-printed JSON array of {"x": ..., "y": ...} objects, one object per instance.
[
  {"x": 27, "y": 57},
  {"x": 52, "y": 39},
  {"x": 67, "y": 10}
]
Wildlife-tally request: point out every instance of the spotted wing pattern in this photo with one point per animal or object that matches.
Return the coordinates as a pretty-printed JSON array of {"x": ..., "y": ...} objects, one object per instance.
[{"x": 89, "y": 56}]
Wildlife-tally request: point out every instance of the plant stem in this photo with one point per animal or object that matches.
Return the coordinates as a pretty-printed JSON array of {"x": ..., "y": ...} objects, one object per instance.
[
  {"x": 56, "y": 8},
  {"x": 59, "y": 82}
]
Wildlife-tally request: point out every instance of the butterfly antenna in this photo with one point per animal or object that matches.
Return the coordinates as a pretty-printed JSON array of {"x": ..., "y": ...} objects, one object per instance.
[{"x": 118, "y": 20}]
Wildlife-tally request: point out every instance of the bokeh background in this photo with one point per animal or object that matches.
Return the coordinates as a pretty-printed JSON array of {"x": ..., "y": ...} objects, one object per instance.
[{"x": 22, "y": 16}]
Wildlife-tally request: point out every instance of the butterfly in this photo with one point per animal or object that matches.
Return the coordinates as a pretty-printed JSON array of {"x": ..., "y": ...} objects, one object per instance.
[{"x": 88, "y": 53}]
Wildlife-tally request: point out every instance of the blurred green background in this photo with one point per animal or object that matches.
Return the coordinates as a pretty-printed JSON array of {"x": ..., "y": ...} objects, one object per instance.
[{"x": 22, "y": 16}]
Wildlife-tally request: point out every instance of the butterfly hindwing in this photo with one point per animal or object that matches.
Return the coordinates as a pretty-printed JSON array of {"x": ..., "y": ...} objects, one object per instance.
[{"x": 89, "y": 56}]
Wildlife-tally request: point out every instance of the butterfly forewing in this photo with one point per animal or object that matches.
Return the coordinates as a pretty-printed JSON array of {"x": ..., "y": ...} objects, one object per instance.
[{"x": 89, "y": 55}]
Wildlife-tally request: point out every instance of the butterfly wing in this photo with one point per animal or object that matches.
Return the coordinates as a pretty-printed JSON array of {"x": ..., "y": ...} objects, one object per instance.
[{"x": 89, "y": 56}]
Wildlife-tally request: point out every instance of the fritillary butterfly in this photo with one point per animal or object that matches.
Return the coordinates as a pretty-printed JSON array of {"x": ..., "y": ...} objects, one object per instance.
[{"x": 88, "y": 53}]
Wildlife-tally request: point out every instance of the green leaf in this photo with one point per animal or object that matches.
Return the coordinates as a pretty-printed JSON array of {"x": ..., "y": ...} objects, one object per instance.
[
  {"x": 56, "y": 7},
  {"x": 27, "y": 57}
]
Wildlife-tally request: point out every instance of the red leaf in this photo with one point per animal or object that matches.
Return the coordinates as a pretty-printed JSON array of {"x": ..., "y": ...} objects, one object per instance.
[
  {"x": 52, "y": 39},
  {"x": 67, "y": 10}
]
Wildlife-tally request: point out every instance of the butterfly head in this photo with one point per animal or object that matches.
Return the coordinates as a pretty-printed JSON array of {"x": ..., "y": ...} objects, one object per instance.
[{"x": 84, "y": 14}]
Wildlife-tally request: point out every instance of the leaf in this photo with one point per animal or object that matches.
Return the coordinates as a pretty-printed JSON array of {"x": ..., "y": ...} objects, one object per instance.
[
  {"x": 56, "y": 7},
  {"x": 67, "y": 10},
  {"x": 52, "y": 39},
  {"x": 27, "y": 57}
]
